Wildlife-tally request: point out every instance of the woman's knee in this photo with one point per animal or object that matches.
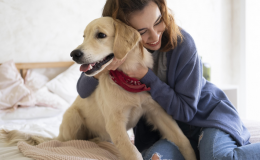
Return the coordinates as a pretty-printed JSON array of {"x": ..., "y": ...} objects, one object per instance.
[
  {"x": 163, "y": 149},
  {"x": 215, "y": 144}
]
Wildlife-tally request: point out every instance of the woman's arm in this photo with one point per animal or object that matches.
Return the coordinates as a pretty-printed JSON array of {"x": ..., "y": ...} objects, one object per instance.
[
  {"x": 179, "y": 98},
  {"x": 86, "y": 85}
]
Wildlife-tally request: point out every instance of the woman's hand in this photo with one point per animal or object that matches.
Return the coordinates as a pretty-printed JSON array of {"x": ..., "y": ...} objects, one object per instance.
[
  {"x": 113, "y": 65},
  {"x": 139, "y": 73}
]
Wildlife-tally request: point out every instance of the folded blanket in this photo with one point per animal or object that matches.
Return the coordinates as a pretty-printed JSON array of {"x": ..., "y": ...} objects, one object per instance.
[
  {"x": 254, "y": 130},
  {"x": 70, "y": 150}
]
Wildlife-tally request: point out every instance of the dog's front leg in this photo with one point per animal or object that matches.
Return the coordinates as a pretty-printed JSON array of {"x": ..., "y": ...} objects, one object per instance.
[
  {"x": 116, "y": 128},
  {"x": 169, "y": 129}
]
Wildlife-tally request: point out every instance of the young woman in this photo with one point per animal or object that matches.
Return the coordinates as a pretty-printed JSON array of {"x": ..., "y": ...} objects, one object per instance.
[{"x": 202, "y": 111}]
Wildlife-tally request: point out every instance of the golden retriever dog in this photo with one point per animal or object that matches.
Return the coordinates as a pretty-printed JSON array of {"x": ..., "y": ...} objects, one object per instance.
[{"x": 111, "y": 110}]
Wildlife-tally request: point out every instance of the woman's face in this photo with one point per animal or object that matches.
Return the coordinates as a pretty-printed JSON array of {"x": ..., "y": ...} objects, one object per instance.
[{"x": 148, "y": 22}]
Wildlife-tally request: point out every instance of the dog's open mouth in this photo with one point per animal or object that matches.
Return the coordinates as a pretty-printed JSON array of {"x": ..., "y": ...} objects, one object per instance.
[{"x": 93, "y": 67}]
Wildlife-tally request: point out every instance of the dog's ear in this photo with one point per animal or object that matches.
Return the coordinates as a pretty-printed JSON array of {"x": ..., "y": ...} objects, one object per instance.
[{"x": 126, "y": 38}]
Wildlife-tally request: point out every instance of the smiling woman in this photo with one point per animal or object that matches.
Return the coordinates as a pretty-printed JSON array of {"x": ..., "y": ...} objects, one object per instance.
[
  {"x": 151, "y": 22},
  {"x": 151, "y": 32},
  {"x": 177, "y": 84},
  {"x": 25, "y": 36}
]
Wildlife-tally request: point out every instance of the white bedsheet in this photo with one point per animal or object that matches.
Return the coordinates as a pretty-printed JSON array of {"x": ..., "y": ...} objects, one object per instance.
[
  {"x": 29, "y": 113},
  {"x": 48, "y": 127}
]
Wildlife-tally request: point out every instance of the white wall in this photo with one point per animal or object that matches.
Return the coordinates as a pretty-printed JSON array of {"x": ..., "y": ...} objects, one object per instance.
[
  {"x": 44, "y": 30},
  {"x": 238, "y": 54},
  {"x": 252, "y": 58},
  {"x": 38, "y": 31}
]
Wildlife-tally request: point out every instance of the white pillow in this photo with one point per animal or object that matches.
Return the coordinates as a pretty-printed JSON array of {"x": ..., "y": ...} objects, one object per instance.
[
  {"x": 12, "y": 88},
  {"x": 33, "y": 81},
  {"x": 46, "y": 105},
  {"x": 65, "y": 83},
  {"x": 47, "y": 99}
]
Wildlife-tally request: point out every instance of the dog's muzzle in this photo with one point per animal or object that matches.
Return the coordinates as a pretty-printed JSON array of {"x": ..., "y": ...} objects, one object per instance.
[{"x": 76, "y": 55}]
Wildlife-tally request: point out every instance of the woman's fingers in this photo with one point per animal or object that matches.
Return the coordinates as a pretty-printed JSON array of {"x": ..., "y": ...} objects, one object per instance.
[
  {"x": 115, "y": 63},
  {"x": 139, "y": 73}
]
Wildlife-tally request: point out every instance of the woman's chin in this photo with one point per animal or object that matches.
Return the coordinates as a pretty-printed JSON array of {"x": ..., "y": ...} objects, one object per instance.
[{"x": 153, "y": 48}]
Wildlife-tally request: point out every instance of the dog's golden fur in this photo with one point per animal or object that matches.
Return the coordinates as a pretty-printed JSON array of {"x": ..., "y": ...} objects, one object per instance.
[{"x": 110, "y": 110}]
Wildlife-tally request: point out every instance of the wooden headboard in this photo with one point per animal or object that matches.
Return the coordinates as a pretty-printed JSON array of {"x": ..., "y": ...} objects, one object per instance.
[{"x": 23, "y": 67}]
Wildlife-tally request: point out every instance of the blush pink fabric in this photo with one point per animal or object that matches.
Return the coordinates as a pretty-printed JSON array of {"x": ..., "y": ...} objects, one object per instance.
[
  {"x": 12, "y": 88},
  {"x": 33, "y": 81},
  {"x": 70, "y": 150},
  {"x": 254, "y": 129}
]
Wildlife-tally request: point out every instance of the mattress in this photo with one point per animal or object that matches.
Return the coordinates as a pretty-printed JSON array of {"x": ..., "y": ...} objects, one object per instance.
[{"x": 47, "y": 126}]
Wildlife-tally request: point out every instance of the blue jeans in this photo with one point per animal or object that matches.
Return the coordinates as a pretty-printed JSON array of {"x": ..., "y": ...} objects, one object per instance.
[{"x": 213, "y": 144}]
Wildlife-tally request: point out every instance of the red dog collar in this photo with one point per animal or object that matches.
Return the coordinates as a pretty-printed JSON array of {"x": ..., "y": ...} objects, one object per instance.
[{"x": 128, "y": 83}]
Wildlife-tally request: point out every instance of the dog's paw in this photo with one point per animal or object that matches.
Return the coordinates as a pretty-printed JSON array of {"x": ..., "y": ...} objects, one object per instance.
[{"x": 136, "y": 156}]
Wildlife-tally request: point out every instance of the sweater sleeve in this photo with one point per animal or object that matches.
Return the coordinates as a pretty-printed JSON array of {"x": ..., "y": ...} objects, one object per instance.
[
  {"x": 86, "y": 85},
  {"x": 179, "y": 98}
]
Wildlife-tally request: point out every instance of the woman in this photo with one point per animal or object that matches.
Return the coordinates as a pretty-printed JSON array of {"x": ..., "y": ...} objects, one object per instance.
[{"x": 202, "y": 111}]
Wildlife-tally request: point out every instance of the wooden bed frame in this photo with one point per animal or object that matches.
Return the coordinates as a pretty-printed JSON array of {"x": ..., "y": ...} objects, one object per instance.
[{"x": 23, "y": 67}]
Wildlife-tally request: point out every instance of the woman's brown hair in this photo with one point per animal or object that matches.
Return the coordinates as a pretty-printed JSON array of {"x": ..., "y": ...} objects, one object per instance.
[{"x": 122, "y": 9}]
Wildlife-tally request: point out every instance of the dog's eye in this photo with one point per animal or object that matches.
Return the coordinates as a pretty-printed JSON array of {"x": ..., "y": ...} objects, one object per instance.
[{"x": 101, "y": 35}]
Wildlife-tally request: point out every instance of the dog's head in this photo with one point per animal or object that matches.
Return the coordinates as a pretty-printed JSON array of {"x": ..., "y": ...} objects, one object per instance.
[{"x": 104, "y": 39}]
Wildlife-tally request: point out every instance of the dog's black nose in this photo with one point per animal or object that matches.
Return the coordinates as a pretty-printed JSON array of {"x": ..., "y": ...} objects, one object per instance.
[{"x": 76, "y": 54}]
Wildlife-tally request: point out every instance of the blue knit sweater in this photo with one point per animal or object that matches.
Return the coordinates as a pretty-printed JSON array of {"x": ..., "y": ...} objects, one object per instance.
[{"x": 187, "y": 97}]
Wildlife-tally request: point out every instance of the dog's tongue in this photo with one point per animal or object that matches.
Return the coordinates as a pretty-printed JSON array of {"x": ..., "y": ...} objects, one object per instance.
[{"x": 84, "y": 67}]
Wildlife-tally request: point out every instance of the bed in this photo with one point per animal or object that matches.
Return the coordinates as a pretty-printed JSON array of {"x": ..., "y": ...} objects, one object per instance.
[
  {"x": 44, "y": 95},
  {"x": 33, "y": 99},
  {"x": 37, "y": 117}
]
